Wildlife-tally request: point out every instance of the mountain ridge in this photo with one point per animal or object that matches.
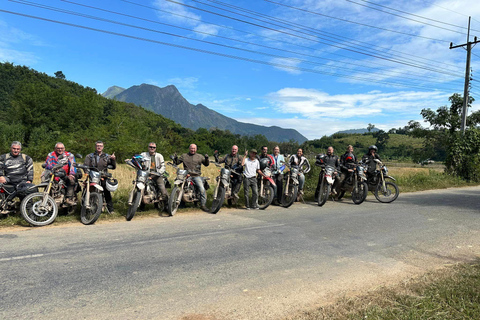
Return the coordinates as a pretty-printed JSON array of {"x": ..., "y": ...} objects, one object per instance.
[{"x": 169, "y": 102}]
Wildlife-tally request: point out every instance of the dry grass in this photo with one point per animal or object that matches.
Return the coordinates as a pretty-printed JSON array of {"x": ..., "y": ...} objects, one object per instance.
[{"x": 450, "y": 293}]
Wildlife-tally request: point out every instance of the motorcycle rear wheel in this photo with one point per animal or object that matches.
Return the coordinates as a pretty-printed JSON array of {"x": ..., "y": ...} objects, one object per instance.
[
  {"x": 137, "y": 198},
  {"x": 36, "y": 215},
  {"x": 390, "y": 194},
  {"x": 361, "y": 194},
  {"x": 90, "y": 216},
  {"x": 325, "y": 189},
  {"x": 289, "y": 197},
  {"x": 173, "y": 204},
  {"x": 266, "y": 200},
  {"x": 218, "y": 201}
]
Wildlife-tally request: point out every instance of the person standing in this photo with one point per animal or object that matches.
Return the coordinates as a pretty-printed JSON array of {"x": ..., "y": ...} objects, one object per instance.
[
  {"x": 70, "y": 179},
  {"x": 331, "y": 160},
  {"x": 192, "y": 161},
  {"x": 300, "y": 162},
  {"x": 251, "y": 168},
  {"x": 156, "y": 163},
  {"x": 348, "y": 162},
  {"x": 101, "y": 161},
  {"x": 232, "y": 162},
  {"x": 278, "y": 161}
]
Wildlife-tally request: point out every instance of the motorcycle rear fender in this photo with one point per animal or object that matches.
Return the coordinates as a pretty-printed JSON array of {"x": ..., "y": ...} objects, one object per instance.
[{"x": 389, "y": 177}]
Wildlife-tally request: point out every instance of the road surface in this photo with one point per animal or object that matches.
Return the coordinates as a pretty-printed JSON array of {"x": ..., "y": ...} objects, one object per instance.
[{"x": 237, "y": 264}]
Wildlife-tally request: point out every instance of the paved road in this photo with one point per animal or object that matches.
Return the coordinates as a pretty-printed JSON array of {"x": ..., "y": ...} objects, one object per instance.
[{"x": 237, "y": 264}]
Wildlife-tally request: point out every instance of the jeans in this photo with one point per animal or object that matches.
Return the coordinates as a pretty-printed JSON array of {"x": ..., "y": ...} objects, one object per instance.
[
  {"x": 278, "y": 178},
  {"x": 108, "y": 196},
  {"x": 236, "y": 184},
  {"x": 160, "y": 184},
  {"x": 301, "y": 181},
  {"x": 199, "y": 184},
  {"x": 252, "y": 183}
]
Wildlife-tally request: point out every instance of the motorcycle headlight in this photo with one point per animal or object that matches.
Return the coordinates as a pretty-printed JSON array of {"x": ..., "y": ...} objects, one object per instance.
[
  {"x": 330, "y": 171},
  {"x": 94, "y": 176},
  {"x": 385, "y": 170},
  {"x": 142, "y": 176},
  {"x": 225, "y": 173},
  {"x": 181, "y": 174}
]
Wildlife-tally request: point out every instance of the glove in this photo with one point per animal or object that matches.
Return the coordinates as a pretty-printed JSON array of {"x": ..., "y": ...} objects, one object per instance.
[{"x": 206, "y": 156}]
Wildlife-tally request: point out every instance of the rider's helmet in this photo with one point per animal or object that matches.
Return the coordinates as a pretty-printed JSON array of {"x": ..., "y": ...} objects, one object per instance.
[
  {"x": 264, "y": 162},
  {"x": 138, "y": 160},
  {"x": 373, "y": 147},
  {"x": 350, "y": 158},
  {"x": 320, "y": 159},
  {"x": 111, "y": 184}
]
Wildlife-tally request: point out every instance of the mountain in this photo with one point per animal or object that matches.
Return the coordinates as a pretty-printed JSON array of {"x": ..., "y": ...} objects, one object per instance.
[
  {"x": 169, "y": 102},
  {"x": 112, "y": 92},
  {"x": 356, "y": 131}
]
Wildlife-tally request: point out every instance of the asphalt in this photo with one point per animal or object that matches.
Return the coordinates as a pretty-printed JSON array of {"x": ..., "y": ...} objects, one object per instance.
[{"x": 237, "y": 264}]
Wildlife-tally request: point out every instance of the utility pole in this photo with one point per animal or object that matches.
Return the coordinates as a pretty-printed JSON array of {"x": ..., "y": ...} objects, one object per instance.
[{"x": 469, "y": 44}]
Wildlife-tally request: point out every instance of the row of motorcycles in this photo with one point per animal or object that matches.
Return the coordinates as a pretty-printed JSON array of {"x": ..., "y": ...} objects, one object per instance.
[
  {"x": 40, "y": 208},
  {"x": 358, "y": 184}
]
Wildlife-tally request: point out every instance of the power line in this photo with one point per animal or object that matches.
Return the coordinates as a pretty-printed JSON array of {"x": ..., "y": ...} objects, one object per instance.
[
  {"x": 354, "y": 22},
  {"x": 328, "y": 44},
  {"x": 329, "y": 34},
  {"x": 184, "y": 37},
  {"x": 254, "y": 44},
  {"x": 277, "y": 65},
  {"x": 412, "y": 14}
]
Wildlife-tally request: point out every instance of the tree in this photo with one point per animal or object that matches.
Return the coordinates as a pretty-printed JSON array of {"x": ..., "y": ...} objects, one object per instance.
[
  {"x": 370, "y": 127},
  {"x": 59, "y": 75},
  {"x": 382, "y": 139}
]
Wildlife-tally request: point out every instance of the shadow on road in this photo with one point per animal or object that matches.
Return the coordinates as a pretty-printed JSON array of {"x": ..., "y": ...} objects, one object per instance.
[{"x": 461, "y": 199}]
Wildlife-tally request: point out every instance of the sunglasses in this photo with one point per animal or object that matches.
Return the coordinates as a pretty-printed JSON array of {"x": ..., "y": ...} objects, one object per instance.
[{"x": 152, "y": 147}]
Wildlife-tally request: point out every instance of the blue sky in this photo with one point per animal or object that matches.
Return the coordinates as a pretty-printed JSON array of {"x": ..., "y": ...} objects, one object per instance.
[{"x": 315, "y": 73}]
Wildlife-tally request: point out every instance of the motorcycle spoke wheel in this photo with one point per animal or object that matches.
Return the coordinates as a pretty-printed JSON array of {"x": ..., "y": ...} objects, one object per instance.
[
  {"x": 267, "y": 198},
  {"x": 288, "y": 198},
  {"x": 35, "y": 213},
  {"x": 324, "y": 193},
  {"x": 388, "y": 195},
  {"x": 91, "y": 215},
  {"x": 361, "y": 194},
  {"x": 218, "y": 201},
  {"x": 137, "y": 197},
  {"x": 173, "y": 203}
]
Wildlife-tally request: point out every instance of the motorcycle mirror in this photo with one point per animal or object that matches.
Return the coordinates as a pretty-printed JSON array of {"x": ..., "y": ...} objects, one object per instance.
[
  {"x": 109, "y": 166},
  {"x": 172, "y": 157},
  {"x": 44, "y": 165},
  {"x": 78, "y": 155}
]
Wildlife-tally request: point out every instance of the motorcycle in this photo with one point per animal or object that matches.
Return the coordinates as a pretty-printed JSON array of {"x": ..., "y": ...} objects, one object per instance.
[
  {"x": 144, "y": 188},
  {"x": 326, "y": 181},
  {"x": 266, "y": 189},
  {"x": 184, "y": 189},
  {"x": 356, "y": 184},
  {"x": 291, "y": 185},
  {"x": 224, "y": 188},
  {"x": 92, "y": 194},
  {"x": 54, "y": 185},
  {"x": 384, "y": 191}
]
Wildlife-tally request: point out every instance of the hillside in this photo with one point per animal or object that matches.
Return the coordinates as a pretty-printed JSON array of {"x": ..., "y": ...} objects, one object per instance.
[
  {"x": 355, "y": 131},
  {"x": 112, "y": 92},
  {"x": 170, "y": 103},
  {"x": 40, "y": 110}
]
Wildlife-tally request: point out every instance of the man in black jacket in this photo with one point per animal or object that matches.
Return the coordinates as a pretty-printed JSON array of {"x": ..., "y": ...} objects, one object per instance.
[
  {"x": 369, "y": 160},
  {"x": 233, "y": 161},
  {"x": 16, "y": 167},
  {"x": 331, "y": 160},
  {"x": 348, "y": 162},
  {"x": 101, "y": 161}
]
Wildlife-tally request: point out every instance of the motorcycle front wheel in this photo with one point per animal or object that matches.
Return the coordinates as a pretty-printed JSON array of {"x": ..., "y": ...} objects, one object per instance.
[
  {"x": 288, "y": 198},
  {"x": 218, "y": 201},
  {"x": 34, "y": 213},
  {"x": 91, "y": 215},
  {"x": 265, "y": 200},
  {"x": 361, "y": 194},
  {"x": 325, "y": 189},
  {"x": 136, "y": 199},
  {"x": 173, "y": 203},
  {"x": 388, "y": 195}
]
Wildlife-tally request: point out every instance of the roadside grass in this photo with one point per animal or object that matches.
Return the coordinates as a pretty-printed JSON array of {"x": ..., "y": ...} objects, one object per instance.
[
  {"x": 409, "y": 179},
  {"x": 450, "y": 293}
]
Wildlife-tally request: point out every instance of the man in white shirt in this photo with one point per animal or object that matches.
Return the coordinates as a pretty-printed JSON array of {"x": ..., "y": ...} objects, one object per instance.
[{"x": 251, "y": 168}]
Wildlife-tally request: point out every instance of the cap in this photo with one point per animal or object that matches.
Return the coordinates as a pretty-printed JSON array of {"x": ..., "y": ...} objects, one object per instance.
[{"x": 254, "y": 150}]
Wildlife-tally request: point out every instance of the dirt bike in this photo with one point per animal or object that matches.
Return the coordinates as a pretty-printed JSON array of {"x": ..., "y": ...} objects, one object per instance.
[
  {"x": 183, "y": 190},
  {"x": 54, "y": 185},
  {"x": 266, "y": 189},
  {"x": 144, "y": 190},
  {"x": 224, "y": 188},
  {"x": 290, "y": 189},
  {"x": 92, "y": 194},
  {"x": 356, "y": 184},
  {"x": 326, "y": 181},
  {"x": 384, "y": 191}
]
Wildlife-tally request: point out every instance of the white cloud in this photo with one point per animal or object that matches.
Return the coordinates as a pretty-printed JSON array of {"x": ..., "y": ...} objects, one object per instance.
[
  {"x": 184, "y": 83},
  {"x": 204, "y": 28},
  {"x": 9, "y": 43}
]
